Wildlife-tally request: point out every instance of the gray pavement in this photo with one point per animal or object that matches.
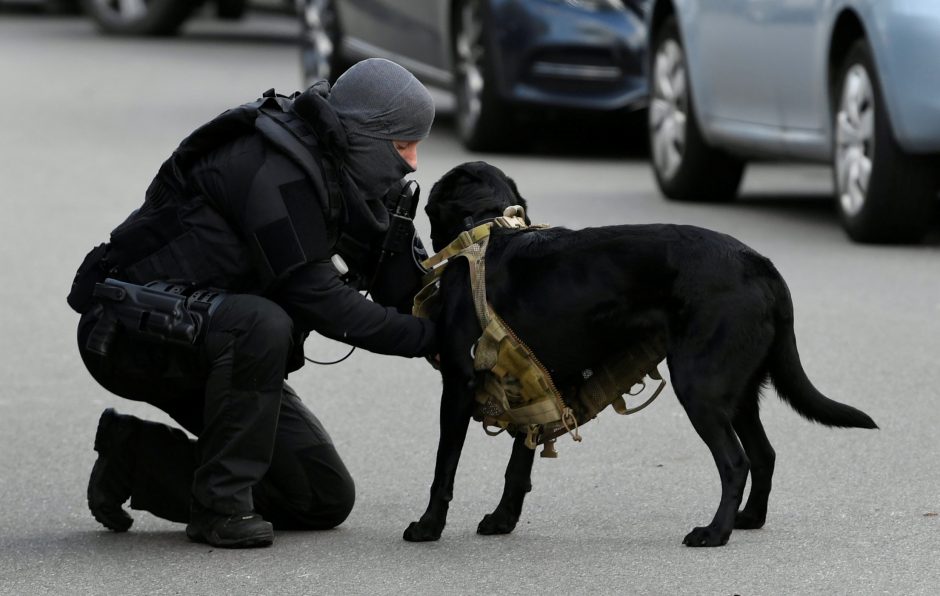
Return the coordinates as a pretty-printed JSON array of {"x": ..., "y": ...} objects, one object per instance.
[{"x": 84, "y": 123}]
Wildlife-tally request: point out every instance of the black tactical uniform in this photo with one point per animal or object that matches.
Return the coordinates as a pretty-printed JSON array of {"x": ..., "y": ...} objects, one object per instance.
[{"x": 254, "y": 203}]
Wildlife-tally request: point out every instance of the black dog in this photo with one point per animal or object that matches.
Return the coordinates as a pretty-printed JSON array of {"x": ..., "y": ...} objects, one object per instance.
[{"x": 576, "y": 296}]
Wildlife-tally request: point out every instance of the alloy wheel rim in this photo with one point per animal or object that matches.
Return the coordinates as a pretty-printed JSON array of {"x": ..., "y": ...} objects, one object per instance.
[
  {"x": 668, "y": 112},
  {"x": 469, "y": 66},
  {"x": 855, "y": 135},
  {"x": 124, "y": 10},
  {"x": 319, "y": 21}
]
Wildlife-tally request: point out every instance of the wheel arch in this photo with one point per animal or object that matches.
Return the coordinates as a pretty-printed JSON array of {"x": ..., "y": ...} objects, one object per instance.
[
  {"x": 661, "y": 11},
  {"x": 847, "y": 29},
  {"x": 488, "y": 7}
]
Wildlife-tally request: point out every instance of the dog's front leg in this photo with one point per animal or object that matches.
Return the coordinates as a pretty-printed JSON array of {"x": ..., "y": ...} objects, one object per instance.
[
  {"x": 456, "y": 410},
  {"x": 518, "y": 483}
]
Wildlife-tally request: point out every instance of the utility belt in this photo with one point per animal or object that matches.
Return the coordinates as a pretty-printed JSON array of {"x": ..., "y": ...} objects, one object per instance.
[
  {"x": 517, "y": 392},
  {"x": 161, "y": 312}
]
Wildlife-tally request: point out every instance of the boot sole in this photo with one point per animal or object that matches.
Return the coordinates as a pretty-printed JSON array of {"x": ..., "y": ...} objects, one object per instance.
[{"x": 116, "y": 521}]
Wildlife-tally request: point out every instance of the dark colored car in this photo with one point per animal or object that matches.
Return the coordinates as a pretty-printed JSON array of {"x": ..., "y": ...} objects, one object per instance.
[
  {"x": 496, "y": 55},
  {"x": 159, "y": 17}
]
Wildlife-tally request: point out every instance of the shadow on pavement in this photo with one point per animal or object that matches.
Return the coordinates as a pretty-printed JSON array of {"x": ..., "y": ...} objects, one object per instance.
[
  {"x": 106, "y": 540},
  {"x": 809, "y": 204},
  {"x": 552, "y": 133},
  {"x": 820, "y": 207},
  {"x": 49, "y": 7}
]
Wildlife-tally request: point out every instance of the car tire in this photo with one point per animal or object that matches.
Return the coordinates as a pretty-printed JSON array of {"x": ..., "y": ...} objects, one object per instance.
[
  {"x": 483, "y": 118},
  {"x": 231, "y": 10},
  {"x": 685, "y": 166},
  {"x": 320, "y": 41},
  {"x": 884, "y": 195},
  {"x": 147, "y": 17}
]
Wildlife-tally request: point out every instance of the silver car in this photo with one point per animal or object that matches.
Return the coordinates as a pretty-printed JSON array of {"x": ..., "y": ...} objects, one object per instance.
[{"x": 855, "y": 83}]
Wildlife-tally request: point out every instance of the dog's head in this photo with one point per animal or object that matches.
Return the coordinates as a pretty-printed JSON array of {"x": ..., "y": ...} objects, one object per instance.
[{"x": 467, "y": 195}]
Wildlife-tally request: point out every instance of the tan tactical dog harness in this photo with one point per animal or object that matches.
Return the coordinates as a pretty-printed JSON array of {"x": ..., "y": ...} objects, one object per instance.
[{"x": 518, "y": 392}]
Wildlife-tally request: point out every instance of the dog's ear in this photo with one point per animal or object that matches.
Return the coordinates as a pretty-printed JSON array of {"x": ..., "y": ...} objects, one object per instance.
[
  {"x": 446, "y": 206},
  {"x": 513, "y": 196},
  {"x": 447, "y": 187},
  {"x": 475, "y": 190}
]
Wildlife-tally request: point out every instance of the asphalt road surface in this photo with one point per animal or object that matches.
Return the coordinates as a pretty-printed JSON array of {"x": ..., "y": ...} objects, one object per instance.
[{"x": 85, "y": 122}]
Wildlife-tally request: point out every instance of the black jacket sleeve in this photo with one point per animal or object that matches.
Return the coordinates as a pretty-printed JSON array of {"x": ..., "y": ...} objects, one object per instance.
[
  {"x": 246, "y": 173},
  {"x": 317, "y": 299}
]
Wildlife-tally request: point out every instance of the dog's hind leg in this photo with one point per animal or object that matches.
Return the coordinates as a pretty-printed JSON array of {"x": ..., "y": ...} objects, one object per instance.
[
  {"x": 707, "y": 408},
  {"x": 518, "y": 483},
  {"x": 761, "y": 455}
]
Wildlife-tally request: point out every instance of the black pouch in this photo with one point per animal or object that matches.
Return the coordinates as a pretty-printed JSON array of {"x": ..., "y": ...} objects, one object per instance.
[{"x": 93, "y": 270}]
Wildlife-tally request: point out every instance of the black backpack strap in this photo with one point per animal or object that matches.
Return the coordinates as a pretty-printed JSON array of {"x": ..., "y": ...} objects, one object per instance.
[{"x": 294, "y": 137}]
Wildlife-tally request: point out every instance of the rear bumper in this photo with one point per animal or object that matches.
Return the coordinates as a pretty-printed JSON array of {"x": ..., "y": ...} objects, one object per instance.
[{"x": 550, "y": 53}]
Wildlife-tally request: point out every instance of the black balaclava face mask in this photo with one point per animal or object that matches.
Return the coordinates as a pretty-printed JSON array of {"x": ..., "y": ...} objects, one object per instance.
[{"x": 378, "y": 101}]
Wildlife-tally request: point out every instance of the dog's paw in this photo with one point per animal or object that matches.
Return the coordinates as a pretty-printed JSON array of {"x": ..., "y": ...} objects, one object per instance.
[
  {"x": 496, "y": 523},
  {"x": 421, "y": 531},
  {"x": 748, "y": 521},
  {"x": 706, "y": 536}
]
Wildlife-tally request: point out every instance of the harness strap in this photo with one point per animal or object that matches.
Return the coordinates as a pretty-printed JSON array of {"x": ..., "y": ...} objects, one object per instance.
[
  {"x": 465, "y": 240},
  {"x": 470, "y": 244},
  {"x": 620, "y": 406},
  {"x": 518, "y": 392}
]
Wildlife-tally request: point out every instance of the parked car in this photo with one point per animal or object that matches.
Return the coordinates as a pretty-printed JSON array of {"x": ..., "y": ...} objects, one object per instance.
[
  {"x": 160, "y": 17},
  {"x": 853, "y": 83},
  {"x": 496, "y": 55}
]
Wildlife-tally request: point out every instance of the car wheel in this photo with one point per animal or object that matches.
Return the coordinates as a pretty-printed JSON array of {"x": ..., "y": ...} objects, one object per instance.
[
  {"x": 319, "y": 41},
  {"x": 686, "y": 168},
  {"x": 884, "y": 194},
  {"x": 139, "y": 17},
  {"x": 482, "y": 117}
]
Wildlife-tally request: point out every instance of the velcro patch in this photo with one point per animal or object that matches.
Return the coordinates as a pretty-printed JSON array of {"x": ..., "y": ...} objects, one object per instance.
[{"x": 280, "y": 246}]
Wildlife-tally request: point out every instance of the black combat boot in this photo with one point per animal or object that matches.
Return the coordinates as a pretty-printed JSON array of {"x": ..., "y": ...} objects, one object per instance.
[
  {"x": 110, "y": 483},
  {"x": 241, "y": 530}
]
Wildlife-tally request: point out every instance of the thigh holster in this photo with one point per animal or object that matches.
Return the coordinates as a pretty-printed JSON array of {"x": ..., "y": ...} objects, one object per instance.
[{"x": 159, "y": 312}]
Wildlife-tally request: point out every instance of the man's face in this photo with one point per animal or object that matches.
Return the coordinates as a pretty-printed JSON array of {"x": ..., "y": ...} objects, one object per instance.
[{"x": 408, "y": 151}]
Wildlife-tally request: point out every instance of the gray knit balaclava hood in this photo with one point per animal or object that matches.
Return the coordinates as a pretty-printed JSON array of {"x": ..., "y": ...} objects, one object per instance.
[{"x": 378, "y": 101}]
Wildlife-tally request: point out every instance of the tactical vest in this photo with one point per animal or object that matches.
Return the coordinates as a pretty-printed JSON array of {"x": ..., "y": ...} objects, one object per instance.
[
  {"x": 154, "y": 240},
  {"x": 518, "y": 393}
]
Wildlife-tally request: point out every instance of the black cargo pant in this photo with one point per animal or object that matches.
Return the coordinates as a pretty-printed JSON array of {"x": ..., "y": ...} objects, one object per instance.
[{"x": 259, "y": 448}]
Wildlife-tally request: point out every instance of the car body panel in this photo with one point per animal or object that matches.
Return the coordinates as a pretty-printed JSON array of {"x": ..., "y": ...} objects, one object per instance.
[
  {"x": 554, "y": 53},
  {"x": 759, "y": 71},
  {"x": 373, "y": 28},
  {"x": 545, "y": 52},
  {"x": 907, "y": 50}
]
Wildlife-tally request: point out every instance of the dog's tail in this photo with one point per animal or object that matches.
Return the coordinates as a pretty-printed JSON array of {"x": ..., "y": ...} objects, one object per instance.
[{"x": 791, "y": 382}]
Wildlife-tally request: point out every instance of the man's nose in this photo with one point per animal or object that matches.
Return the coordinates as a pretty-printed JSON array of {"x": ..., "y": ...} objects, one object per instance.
[{"x": 410, "y": 154}]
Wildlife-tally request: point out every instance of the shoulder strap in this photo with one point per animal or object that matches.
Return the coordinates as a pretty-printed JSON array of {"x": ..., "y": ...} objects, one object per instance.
[{"x": 288, "y": 132}]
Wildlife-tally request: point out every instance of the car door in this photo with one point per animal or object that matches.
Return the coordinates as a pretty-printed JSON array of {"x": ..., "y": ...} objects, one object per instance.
[
  {"x": 798, "y": 34},
  {"x": 728, "y": 53},
  {"x": 406, "y": 31}
]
